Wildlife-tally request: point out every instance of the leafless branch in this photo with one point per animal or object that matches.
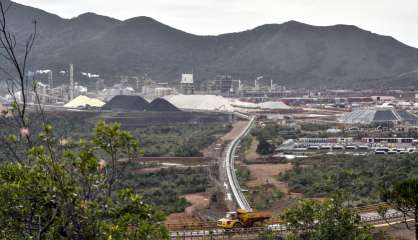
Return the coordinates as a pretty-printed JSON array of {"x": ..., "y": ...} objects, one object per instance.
[{"x": 9, "y": 45}]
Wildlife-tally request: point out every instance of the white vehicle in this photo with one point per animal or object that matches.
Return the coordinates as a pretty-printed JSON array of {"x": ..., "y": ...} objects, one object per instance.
[
  {"x": 379, "y": 152},
  {"x": 313, "y": 147},
  {"x": 382, "y": 149},
  {"x": 326, "y": 147},
  {"x": 351, "y": 147},
  {"x": 392, "y": 152},
  {"x": 363, "y": 147},
  {"x": 412, "y": 150}
]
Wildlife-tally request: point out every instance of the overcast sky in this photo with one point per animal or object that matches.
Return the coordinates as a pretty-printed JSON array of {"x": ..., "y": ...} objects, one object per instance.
[{"x": 398, "y": 18}]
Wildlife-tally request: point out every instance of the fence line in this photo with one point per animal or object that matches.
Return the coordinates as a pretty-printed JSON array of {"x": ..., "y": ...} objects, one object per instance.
[{"x": 209, "y": 230}]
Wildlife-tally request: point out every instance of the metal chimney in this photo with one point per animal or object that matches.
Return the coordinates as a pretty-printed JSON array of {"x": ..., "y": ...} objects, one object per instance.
[
  {"x": 71, "y": 81},
  {"x": 50, "y": 80}
]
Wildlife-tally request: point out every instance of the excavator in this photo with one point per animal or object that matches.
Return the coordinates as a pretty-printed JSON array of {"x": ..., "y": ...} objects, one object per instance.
[{"x": 242, "y": 219}]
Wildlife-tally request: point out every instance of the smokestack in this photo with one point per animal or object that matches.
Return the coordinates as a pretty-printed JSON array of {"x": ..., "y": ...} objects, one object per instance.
[
  {"x": 71, "y": 81},
  {"x": 50, "y": 80}
]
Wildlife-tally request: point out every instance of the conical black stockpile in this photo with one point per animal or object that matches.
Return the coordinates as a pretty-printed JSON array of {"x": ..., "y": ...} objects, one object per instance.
[{"x": 127, "y": 103}]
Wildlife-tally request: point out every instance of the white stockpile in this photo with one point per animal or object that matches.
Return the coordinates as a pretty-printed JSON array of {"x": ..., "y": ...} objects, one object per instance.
[
  {"x": 200, "y": 102},
  {"x": 273, "y": 105},
  {"x": 83, "y": 101},
  {"x": 219, "y": 103}
]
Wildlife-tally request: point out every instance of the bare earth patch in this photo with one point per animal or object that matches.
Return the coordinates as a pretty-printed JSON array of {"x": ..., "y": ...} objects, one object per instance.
[
  {"x": 267, "y": 174},
  {"x": 179, "y": 219},
  {"x": 157, "y": 169},
  {"x": 252, "y": 154},
  {"x": 214, "y": 150},
  {"x": 198, "y": 201},
  {"x": 236, "y": 130}
]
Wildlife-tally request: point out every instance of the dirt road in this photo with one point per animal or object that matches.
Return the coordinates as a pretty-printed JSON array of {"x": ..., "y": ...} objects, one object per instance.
[
  {"x": 198, "y": 201},
  {"x": 268, "y": 174},
  {"x": 238, "y": 127}
]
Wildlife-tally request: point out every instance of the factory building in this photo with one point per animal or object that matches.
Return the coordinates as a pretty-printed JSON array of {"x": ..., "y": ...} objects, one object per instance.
[
  {"x": 187, "y": 83},
  {"x": 378, "y": 116}
]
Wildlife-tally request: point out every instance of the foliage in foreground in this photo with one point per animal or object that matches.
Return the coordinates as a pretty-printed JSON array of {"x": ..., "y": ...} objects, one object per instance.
[
  {"x": 51, "y": 188},
  {"x": 403, "y": 196},
  {"x": 329, "y": 220},
  {"x": 67, "y": 191}
]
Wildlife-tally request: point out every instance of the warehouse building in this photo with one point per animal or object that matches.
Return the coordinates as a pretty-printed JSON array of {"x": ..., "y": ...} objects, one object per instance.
[{"x": 378, "y": 116}]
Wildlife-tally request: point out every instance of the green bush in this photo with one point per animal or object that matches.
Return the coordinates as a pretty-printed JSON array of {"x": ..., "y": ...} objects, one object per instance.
[
  {"x": 329, "y": 220},
  {"x": 243, "y": 173},
  {"x": 265, "y": 147},
  {"x": 360, "y": 176},
  {"x": 263, "y": 197},
  {"x": 164, "y": 187}
]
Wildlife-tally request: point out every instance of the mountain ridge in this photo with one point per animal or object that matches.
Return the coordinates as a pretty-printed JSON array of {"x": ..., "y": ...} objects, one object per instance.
[{"x": 292, "y": 53}]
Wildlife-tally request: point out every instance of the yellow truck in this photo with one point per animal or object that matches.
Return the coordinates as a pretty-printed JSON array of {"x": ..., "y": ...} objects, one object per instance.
[{"x": 242, "y": 219}]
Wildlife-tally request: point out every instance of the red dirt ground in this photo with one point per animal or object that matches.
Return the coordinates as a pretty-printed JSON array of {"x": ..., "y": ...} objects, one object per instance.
[
  {"x": 251, "y": 154},
  {"x": 198, "y": 201},
  {"x": 180, "y": 219},
  {"x": 157, "y": 169},
  {"x": 236, "y": 130},
  {"x": 215, "y": 149},
  {"x": 268, "y": 174}
]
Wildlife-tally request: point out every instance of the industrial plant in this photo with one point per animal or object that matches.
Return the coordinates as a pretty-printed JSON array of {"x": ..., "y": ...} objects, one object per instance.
[{"x": 132, "y": 129}]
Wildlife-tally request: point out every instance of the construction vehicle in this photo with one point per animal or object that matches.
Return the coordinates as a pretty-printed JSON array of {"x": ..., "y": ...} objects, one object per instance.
[{"x": 242, "y": 219}]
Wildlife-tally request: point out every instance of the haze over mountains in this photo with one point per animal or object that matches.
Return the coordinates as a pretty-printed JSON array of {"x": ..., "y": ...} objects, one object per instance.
[{"x": 292, "y": 53}]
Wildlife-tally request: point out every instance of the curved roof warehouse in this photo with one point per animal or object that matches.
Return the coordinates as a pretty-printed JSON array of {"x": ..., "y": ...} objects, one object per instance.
[{"x": 370, "y": 116}]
